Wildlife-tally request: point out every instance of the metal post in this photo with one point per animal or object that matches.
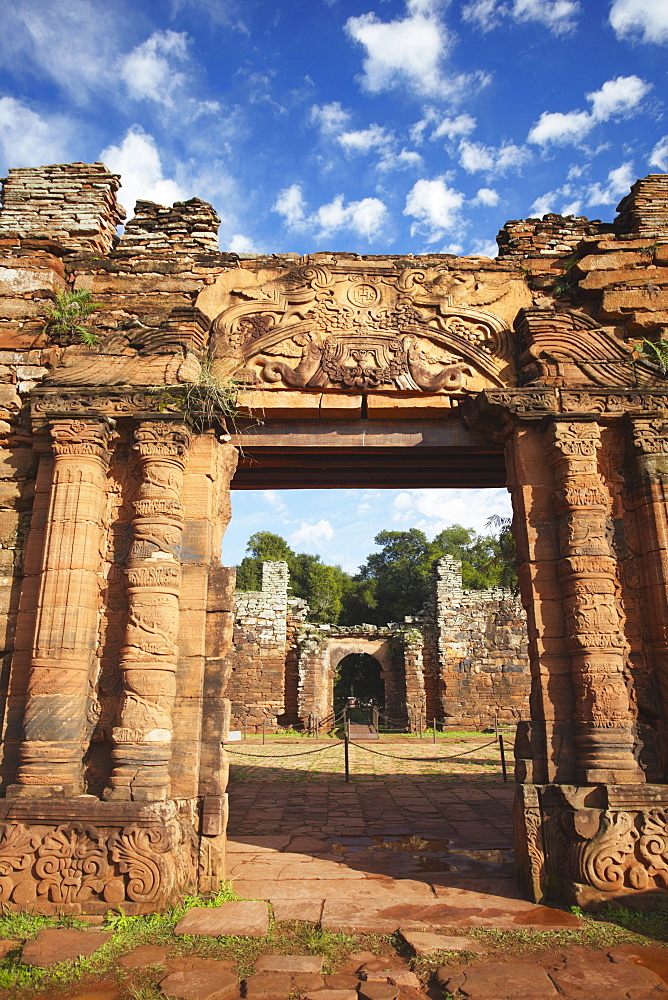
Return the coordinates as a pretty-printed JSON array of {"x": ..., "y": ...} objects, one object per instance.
[
  {"x": 264, "y": 730},
  {"x": 503, "y": 757},
  {"x": 244, "y": 726},
  {"x": 346, "y": 759},
  {"x": 317, "y": 727},
  {"x": 434, "y": 730}
]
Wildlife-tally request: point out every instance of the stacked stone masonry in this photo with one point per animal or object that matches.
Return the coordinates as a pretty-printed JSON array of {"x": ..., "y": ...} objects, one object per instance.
[
  {"x": 114, "y": 496},
  {"x": 463, "y": 661}
]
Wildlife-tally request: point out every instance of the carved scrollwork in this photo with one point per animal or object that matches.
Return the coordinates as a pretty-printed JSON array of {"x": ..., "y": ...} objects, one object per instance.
[
  {"x": 366, "y": 331},
  {"x": 72, "y": 864},
  {"x": 141, "y": 854},
  {"x": 82, "y": 438},
  {"x": 17, "y": 848},
  {"x": 607, "y": 858}
]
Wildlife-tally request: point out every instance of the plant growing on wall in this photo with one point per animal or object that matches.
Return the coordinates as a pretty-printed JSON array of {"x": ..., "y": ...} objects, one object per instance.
[
  {"x": 66, "y": 319},
  {"x": 205, "y": 401},
  {"x": 654, "y": 351}
]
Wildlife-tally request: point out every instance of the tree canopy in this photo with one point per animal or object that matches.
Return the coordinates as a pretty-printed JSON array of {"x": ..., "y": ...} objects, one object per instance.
[{"x": 392, "y": 583}]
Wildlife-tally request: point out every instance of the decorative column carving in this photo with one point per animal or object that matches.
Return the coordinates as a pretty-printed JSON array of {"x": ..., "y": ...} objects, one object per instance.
[
  {"x": 143, "y": 737},
  {"x": 594, "y": 627},
  {"x": 649, "y": 502},
  {"x": 56, "y": 713}
]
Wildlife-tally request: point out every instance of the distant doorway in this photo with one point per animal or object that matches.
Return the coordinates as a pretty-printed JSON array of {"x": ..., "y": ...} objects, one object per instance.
[{"x": 358, "y": 677}]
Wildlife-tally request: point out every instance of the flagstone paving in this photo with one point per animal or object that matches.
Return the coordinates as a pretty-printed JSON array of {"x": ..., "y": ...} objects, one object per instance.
[{"x": 361, "y": 857}]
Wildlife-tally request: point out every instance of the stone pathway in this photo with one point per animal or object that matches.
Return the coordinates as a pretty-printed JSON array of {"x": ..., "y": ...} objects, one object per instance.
[{"x": 361, "y": 857}]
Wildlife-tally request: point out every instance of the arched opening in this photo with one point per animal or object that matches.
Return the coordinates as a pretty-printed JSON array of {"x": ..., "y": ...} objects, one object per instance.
[{"x": 358, "y": 676}]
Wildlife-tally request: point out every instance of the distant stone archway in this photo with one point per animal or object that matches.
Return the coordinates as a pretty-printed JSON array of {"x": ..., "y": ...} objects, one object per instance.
[{"x": 359, "y": 677}]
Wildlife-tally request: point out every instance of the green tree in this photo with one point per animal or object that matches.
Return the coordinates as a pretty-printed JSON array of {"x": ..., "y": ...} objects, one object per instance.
[
  {"x": 263, "y": 546},
  {"x": 322, "y": 586}
]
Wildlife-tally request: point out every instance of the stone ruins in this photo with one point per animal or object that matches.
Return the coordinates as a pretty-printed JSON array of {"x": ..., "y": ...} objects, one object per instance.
[
  {"x": 462, "y": 662},
  {"x": 543, "y": 370}
]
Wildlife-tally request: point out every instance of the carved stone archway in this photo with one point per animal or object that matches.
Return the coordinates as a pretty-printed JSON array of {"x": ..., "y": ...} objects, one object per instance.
[{"x": 529, "y": 371}]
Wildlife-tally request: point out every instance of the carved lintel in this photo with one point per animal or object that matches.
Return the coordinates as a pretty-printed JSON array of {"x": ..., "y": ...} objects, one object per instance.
[{"x": 497, "y": 412}]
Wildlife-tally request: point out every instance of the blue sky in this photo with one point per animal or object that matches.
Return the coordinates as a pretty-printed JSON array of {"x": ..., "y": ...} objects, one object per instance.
[{"x": 401, "y": 126}]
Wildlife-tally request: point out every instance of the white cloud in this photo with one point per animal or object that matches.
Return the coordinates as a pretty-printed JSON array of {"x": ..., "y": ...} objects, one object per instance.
[
  {"x": 484, "y": 248},
  {"x": 273, "y": 498},
  {"x": 72, "y": 42},
  {"x": 315, "y": 534},
  {"x": 617, "y": 97},
  {"x": 454, "y": 128},
  {"x": 366, "y": 218},
  {"x": 409, "y": 51},
  {"x": 149, "y": 71},
  {"x": 238, "y": 243},
  {"x": 619, "y": 181},
  {"x": 544, "y": 204},
  {"x": 561, "y": 129},
  {"x": 407, "y": 159},
  {"x": 290, "y": 204},
  {"x": 487, "y": 196},
  {"x": 475, "y": 157},
  {"x": 659, "y": 155},
  {"x": 365, "y": 140},
  {"x": 435, "y": 207},
  {"x": 640, "y": 20},
  {"x": 557, "y": 15},
  {"x": 572, "y": 209},
  {"x": 27, "y": 139},
  {"x": 329, "y": 117},
  {"x": 137, "y": 160},
  {"x": 432, "y": 510}
]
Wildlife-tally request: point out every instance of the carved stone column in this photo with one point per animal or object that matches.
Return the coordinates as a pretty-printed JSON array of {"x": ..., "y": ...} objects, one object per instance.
[
  {"x": 143, "y": 737},
  {"x": 67, "y": 611},
  {"x": 649, "y": 503},
  {"x": 594, "y": 626}
]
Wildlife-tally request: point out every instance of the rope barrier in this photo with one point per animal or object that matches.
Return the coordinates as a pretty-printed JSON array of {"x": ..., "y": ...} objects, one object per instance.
[
  {"x": 303, "y": 753},
  {"x": 427, "y": 760}
]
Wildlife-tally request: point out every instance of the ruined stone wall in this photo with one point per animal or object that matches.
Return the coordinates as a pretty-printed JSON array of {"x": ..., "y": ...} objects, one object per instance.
[
  {"x": 478, "y": 644},
  {"x": 463, "y": 661},
  {"x": 257, "y": 662}
]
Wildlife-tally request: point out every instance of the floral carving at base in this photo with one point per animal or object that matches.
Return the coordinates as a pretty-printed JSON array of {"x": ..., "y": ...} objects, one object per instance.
[
  {"x": 592, "y": 844},
  {"x": 79, "y": 867}
]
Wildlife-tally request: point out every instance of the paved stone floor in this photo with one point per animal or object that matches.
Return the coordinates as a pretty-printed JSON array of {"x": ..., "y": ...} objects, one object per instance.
[{"x": 391, "y": 847}]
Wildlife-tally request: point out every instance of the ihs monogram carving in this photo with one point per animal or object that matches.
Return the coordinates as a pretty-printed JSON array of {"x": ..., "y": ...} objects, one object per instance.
[{"x": 319, "y": 328}]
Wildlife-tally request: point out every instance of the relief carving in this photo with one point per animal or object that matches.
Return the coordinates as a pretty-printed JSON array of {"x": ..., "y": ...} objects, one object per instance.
[
  {"x": 72, "y": 864},
  {"x": 142, "y": 854},
  {"x": 17, "y": 848},
  {"x": 316, "y": 327},
  {"x": 143, "y": 734}
]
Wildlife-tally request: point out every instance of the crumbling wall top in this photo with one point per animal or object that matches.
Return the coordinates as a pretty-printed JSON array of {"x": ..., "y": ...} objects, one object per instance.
[
  {"x": 73, "y": 204},
  {"x": 644, "y": 210},
  {"x": 186, "y": 227}
]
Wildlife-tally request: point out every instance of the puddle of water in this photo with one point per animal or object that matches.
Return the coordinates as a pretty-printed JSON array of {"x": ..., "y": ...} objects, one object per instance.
[
  {"x": 654, "y": 959},
  {"x": 420, "y": 855}
]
